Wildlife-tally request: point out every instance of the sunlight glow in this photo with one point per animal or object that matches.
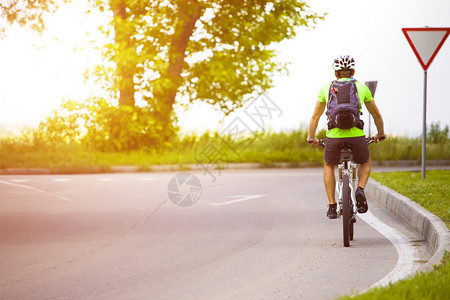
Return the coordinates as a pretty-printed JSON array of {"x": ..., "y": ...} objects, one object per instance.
[{"x": 44, "y": 69}]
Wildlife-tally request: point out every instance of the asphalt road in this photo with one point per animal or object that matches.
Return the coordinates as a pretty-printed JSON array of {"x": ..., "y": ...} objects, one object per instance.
[{"x": 258, "y": 234}]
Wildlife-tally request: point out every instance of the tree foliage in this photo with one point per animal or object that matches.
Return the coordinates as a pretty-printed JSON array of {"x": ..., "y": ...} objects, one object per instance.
[
  {"x": 220, "y": 52},
  {"x": 163, "y": 51},
  {"x": 29, "y": 12}
]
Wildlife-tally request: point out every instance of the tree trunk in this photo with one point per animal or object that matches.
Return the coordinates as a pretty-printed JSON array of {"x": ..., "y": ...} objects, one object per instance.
[
  {"x": 124, "y": 58},
  {"x": 188, "y": 13}
]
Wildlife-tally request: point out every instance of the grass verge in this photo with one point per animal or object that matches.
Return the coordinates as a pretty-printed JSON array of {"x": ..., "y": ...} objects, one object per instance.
[
  {"x": 432, "y": 194},
  {"x": 266, "y": 148}
]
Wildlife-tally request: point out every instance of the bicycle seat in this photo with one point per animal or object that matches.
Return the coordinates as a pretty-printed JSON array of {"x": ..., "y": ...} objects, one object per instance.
[
  {"x": 345, "y": 146},
  {"x": 346, "y": 151}
]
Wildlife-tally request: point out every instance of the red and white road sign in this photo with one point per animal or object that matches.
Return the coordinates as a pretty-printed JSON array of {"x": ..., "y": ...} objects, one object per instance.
[{"x": 426, "y": 42}]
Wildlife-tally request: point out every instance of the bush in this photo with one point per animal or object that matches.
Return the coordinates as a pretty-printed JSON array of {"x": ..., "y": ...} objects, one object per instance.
[
  {"x": 436, "y": 135},
  {"x": 99, "y": 125}
]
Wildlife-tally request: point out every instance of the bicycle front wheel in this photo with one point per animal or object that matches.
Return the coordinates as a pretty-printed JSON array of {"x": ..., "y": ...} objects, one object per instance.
[{"x": 346, "y": 211}]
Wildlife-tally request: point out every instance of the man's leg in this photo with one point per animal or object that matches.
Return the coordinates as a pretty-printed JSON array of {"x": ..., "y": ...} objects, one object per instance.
[
  {"x": 330, "y": 182},
  {"x": 331, "y": 158},
  {"x": 364, "y": 173}
]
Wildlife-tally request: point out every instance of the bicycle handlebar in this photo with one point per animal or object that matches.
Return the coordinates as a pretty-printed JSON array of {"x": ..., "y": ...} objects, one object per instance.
[{"x": 369, "y": 140}]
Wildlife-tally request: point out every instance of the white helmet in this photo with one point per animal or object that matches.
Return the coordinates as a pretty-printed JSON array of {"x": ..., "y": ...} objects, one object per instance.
[{"x": 344, "y": 62}]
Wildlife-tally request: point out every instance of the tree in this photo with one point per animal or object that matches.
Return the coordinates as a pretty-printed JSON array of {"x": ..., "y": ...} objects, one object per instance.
[{"x": 217, "y": 51}]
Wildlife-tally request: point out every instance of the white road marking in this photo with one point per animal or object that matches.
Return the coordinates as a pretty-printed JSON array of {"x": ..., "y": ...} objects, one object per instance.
[
  {"x": 61, "y": 179},
  {"x": 35, "y": 190},
  {"x": 146, "y": 179},
  {"x": 20, "y": 180},
  {"x": 238, "y": 198},
  {"x": 105, "y": 179},
  {"x": 407, "y": 254}
]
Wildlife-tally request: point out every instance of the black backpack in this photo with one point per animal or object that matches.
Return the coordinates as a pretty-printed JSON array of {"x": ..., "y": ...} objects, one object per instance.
[{"x": 343, "y": 106}]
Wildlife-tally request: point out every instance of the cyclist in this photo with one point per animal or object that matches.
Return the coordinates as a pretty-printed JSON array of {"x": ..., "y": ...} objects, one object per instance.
[{"x": 344, "y": 69}]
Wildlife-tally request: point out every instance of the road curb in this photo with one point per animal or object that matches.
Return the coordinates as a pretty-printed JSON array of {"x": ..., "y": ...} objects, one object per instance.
[
  {"x": 428, "y": 225},
  {"x": 203, "y": 167},
  {"x": 161, "y": 168}
]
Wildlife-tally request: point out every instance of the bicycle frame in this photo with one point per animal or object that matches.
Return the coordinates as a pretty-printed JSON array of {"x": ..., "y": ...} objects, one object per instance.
[{"x": 346, "y": 167}]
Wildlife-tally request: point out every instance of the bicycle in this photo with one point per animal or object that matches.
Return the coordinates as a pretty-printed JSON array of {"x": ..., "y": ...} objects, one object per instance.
[{"x": 346, "y": 187}]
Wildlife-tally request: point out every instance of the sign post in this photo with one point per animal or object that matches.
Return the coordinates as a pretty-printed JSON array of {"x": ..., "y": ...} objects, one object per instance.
[
  {"x": 426, "y": 43},
  {"x": 372, "y": 85}
]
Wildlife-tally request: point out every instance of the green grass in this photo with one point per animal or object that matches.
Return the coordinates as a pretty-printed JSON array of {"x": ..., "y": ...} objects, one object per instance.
[
  {"x": 431, "y": 285},
  {"x": 266, "y": 148},
  {"x": 433, "y": 193}
]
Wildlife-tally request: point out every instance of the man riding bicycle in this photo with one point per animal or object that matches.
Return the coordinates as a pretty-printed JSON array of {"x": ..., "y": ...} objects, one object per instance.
[{"x": 344, "y": 69}]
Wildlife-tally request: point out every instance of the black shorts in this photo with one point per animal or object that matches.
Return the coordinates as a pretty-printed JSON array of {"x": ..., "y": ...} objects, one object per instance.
[{"x": 360, "y": 149}]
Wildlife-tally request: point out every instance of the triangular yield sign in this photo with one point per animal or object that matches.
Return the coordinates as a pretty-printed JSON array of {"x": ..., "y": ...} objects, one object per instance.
[{"x": 426, "y": 42}]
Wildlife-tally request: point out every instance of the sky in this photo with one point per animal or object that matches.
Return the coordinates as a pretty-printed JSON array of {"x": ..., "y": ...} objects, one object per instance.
[{"x": 37, "y": 72}]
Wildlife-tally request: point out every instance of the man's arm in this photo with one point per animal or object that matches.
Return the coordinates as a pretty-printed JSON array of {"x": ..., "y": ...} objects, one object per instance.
[
  {"x": 318, "y": 111},
  {"x": 378, "y": 120}
]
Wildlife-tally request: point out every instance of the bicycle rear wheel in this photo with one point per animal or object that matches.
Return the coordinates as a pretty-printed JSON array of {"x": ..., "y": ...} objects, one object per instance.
[{"x": 346, "y": 211}]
